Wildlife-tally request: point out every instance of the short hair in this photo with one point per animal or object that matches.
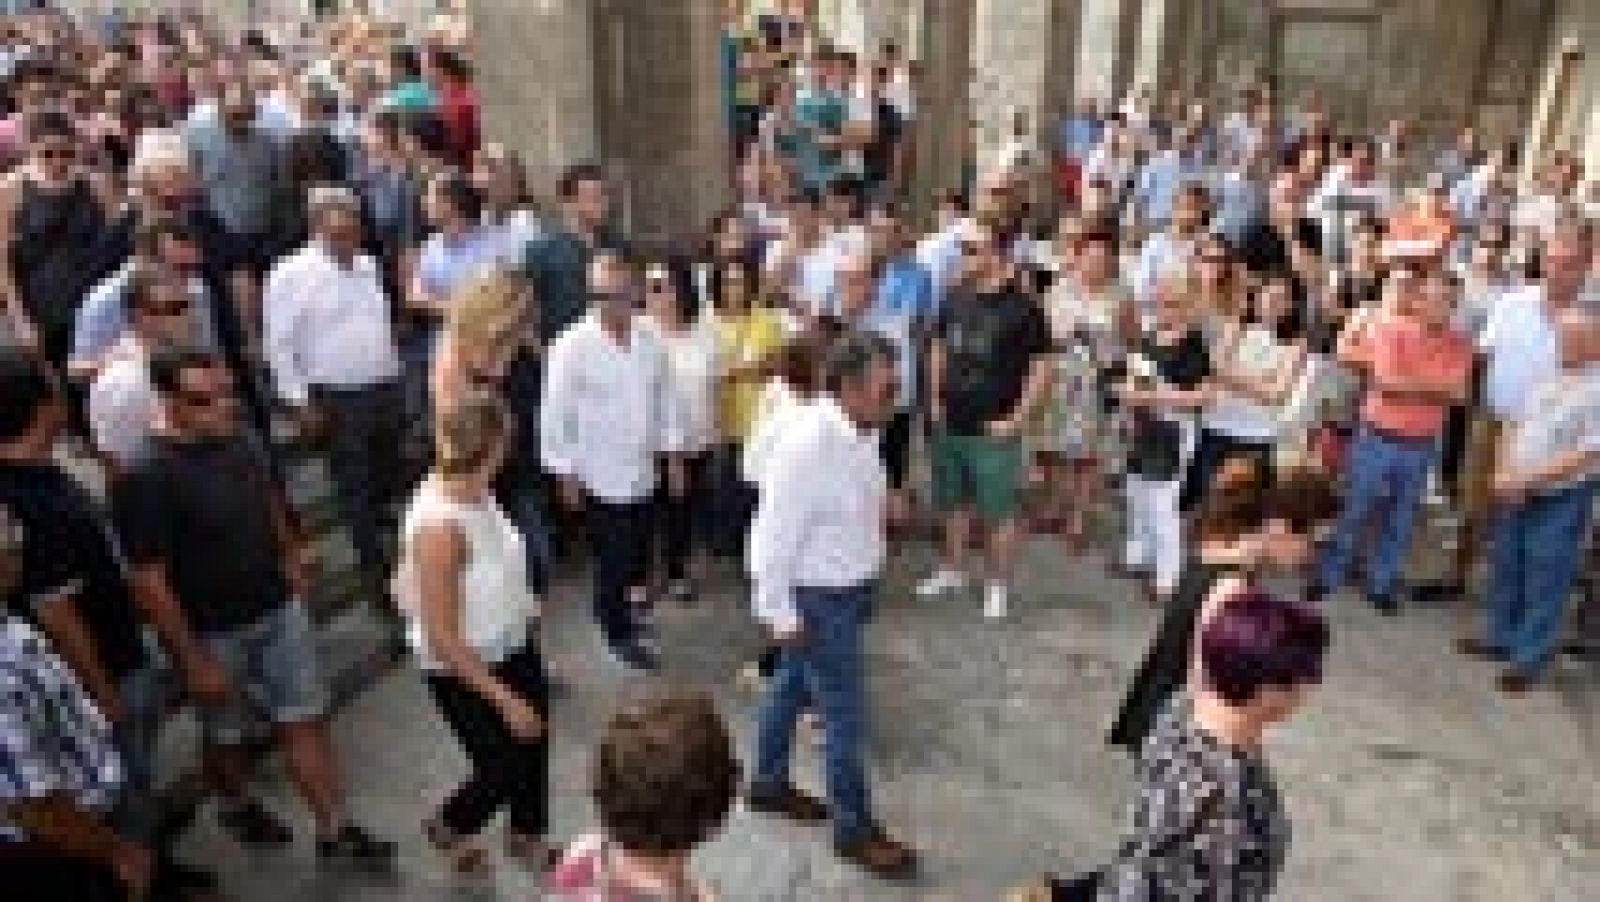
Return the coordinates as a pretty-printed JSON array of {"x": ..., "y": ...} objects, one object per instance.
[
  {"x": 151, "y": 232},
  {"x": 452, "y": 64},
  {"x": 468, "y": 429},
  {"x": 459, "y": 191},
  {"x": 26, "y": 387},
  {"x": 406, "y": 61},
  {"x": 851, "y": 356},
  {"x": 1256, "y": 642},
  {"x": 51, "y": 123},
  {"x": 665, "y": 774},
  {"x": 577, "y": 174},
  {"x": 796, "y": 364},
  {"x": 168, "y": 364},
  {"x": 1246, "y": 496},
  {"x": 1100, "y": 236}
]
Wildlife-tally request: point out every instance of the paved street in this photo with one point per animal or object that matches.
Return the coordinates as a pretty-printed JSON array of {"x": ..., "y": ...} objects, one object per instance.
[{"x": 1408, "y": 777}]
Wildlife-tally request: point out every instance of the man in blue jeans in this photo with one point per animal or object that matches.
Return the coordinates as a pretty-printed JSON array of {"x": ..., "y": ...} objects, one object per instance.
[
  {"x": 1544, "y": 492},
  {"x": 816, "y": 549},
  {"x": 1416, "y": 365}
]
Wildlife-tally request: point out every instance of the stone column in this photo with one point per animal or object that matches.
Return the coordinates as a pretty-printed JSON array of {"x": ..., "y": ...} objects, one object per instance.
[
  {"x": 535, "y": 73},
  {"x": 1154, "y": 21},
  {"x": 944, "y": 117},
  {"x": 1104, "y": 27},
  {"x": 663, "y": 127}
]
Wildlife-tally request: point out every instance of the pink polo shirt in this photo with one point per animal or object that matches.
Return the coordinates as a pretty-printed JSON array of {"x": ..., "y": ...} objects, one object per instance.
[{"x": 1401, "y": 349}]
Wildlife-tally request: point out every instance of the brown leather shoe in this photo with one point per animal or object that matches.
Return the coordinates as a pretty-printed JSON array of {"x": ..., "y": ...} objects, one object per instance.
[
  {"x": 787, "y": 802},
  {"x": 1515, "y": 682},
  {"x": 880, "y": 856}
]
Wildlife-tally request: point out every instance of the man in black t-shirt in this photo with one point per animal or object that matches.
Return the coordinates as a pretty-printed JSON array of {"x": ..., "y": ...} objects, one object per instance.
[
  {"x": 218, "y": 566},
  {"x": 73, "y": 586},
  {"x": 988, "y": 370}
]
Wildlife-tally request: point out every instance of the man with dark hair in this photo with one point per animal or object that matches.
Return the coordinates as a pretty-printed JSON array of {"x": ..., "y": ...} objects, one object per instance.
[
  {"x": 407, "y": 88},
  {"x": 222, "y": 574},
  {"x": 816, "y": 551},
  {"x": 557, "y": 263},
  {"x": 458, "y": 106}
]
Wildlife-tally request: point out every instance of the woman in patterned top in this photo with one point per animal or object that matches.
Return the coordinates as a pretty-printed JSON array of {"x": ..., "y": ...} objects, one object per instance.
[{"x": 1208, "y": 822}]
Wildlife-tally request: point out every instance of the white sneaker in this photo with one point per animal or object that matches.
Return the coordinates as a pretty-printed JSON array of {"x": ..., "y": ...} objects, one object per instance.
[
  {"x": 942, "y": 582},
  {"x": 994, "y": 601}
]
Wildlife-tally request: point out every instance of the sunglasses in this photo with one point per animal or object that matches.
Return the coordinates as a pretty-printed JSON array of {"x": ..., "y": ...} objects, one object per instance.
[
  {"x": 172, "y": 308},
  {"x": 57, "y": 153},
  {"x": 206, "y": 398}
]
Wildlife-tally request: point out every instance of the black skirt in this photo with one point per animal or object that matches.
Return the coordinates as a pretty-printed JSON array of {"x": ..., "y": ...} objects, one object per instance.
[{"x": 1165, "y": 669}]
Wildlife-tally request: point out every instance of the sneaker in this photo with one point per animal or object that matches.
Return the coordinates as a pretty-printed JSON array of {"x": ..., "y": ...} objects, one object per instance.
[
  {"x": 787, "y": 802},
  {"x": 1438, "y": 592},
  {"x": 1386, "y": 605},
  {"x": 354, "y": 845},
  {"x": 250, "y": 824},
  {"x": 942, "y": 582},
  {"x": 995, "y": 597},
  {"x": 637, "y": 658}
]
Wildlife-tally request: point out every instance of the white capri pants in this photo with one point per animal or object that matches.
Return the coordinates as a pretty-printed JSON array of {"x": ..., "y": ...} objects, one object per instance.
[{"x": 1154, "y": 523}]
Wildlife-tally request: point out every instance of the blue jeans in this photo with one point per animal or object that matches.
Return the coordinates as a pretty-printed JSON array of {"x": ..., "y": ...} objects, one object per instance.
[
  {"x": 145, "y": 695},
  {"x": 828, "y": 667},
  {"x": 1385, "y": 478},
  {"x": 1538, "y": 546}
]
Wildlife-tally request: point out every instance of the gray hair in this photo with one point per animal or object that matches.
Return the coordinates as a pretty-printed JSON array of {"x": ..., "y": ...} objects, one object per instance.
[{"x": 851, "y": 356}]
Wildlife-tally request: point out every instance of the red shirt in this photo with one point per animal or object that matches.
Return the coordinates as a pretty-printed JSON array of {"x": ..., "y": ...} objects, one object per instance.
[
  {"x": 458, "y": 112},
  {"x": 1401, "y": 350}
]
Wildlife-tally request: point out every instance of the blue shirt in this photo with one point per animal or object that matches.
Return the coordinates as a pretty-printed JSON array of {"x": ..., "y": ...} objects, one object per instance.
[
  {"x": 906, "y": 289},
  {"x": 1078, "y": 136},
  {"x": 1158, "y": 182},
  {"x": 104, "y": 316},
  {"x": 446, "y": 263}
]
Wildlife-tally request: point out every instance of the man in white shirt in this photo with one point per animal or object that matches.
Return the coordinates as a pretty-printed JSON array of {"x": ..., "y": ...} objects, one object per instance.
[
  {"x": 816, "y": 550},
  {"x": 331, "y": 348},
  {"x": 608, "y": 422},
  {"x": 121, "y": 403}
]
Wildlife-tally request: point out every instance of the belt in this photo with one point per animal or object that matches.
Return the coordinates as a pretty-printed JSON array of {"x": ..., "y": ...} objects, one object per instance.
[{"x": 1390, "y": 436}]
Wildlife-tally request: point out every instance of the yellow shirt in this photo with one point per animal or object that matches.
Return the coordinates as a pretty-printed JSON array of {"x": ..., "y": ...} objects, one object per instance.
[{"x": 742, "y": 341}]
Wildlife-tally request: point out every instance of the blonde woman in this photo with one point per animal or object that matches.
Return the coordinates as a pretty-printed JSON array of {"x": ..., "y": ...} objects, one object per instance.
[
  {"x": 463, "y": 586},
  {"x": 490, "y": 341}
]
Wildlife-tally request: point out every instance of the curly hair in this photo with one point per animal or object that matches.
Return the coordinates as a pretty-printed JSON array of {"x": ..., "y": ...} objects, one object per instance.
[{"x": 665, "y": 774}]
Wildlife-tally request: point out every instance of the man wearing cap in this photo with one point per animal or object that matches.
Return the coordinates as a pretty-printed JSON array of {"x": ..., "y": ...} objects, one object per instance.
[{"x": 330, "y": 345}]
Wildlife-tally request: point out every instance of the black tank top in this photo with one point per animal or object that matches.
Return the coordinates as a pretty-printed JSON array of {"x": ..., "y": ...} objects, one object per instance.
[{"x": 55, "y": 250}]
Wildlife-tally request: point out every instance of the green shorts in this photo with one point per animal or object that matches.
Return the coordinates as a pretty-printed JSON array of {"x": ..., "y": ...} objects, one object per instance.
[{"x": 977, "y": 471}]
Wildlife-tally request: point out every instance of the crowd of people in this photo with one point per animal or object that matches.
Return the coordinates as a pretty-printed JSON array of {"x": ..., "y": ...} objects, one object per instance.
[{"x": 1259, "y": 339}]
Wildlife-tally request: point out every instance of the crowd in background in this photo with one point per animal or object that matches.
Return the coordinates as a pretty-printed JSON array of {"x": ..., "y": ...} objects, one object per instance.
[{"x": 1258, "y": 345}]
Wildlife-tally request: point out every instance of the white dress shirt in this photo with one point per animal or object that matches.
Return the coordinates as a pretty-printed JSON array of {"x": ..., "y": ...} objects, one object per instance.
[
  {"x": 692, "y": 365},
  {"x": 122, "y": 405},
  {"x": 820, "y": 520},
  {"x": 327, "y": 325},
  {"x": 608, "y": 410}
]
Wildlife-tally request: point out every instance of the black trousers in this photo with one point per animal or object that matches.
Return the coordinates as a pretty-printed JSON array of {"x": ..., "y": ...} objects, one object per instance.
[
  {"x": 894, "y": 447},
  {"x": 681, "y": 522},
  {"x": 732, "y": 502},
  {"x": 620, "y": 535},
  {"x": 506, "y": 772},
  {"x": 32, "y": 871},
  {"x": 362, "y": 443}
]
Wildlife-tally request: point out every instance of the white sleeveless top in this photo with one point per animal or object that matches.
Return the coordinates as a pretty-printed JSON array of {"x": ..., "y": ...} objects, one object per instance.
[{"x": 496, "y": 603}]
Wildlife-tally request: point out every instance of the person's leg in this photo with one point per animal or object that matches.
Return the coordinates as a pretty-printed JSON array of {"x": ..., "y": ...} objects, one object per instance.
[
  {"x": 1366, "y": 477},
  {"x": 529, "y": 792},
  {"x": 786, "y": 696},
  {"x": 997, "y": 489},
  {"x": 951, "y": 498},
  {"x": 835, "y": 677},
  {"x": 1137, "y": 550},
  {"x": 1508, "y": 559},
  {"x": 481, "y": 733},
  {"x": 351, "y": 422},
  {"x": 143, "y": 701},
  {"x": 1557, "y": 529},
  {"x": 1166, "y": 535},
  {"x": 607, "y": 522},
  {"x": 1211, "y": 449},
  {"x": 673, "y": 525},
  {"x": 288, "y": 683},
  {"x": 1410, "y": 463}
]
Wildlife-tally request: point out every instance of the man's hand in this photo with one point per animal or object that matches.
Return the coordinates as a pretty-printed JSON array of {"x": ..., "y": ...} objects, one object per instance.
[
  {"x": 572, "y": 493},
  {"x": 522, "y": 719},
  {"x": 207, "y": 681},
  {"x": 1006, "y": 428}
]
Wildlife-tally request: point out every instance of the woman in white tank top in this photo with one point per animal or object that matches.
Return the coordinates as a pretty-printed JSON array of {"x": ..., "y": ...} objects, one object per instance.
[{"x": 463, "y": 587}]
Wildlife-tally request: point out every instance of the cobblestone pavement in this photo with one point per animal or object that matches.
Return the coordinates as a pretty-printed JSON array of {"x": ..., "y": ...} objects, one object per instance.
[{"x": 1408, "y": 777}]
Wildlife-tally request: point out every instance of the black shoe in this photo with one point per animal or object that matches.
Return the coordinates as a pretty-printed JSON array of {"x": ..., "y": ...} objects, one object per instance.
[
  {"x": 1438, "y": 592},
  {"x": 1314, "y": 593},
  {"x": 786, "y": 802},
  {"x": 353, "y": 845},
  {"x": 251, "y": 824},
  {"x": 176, "y": 881},
  {"x": 1477, "y": 648},
  {"x": 636, "y": 658},
  {"x": 1384, "y": 604}
]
